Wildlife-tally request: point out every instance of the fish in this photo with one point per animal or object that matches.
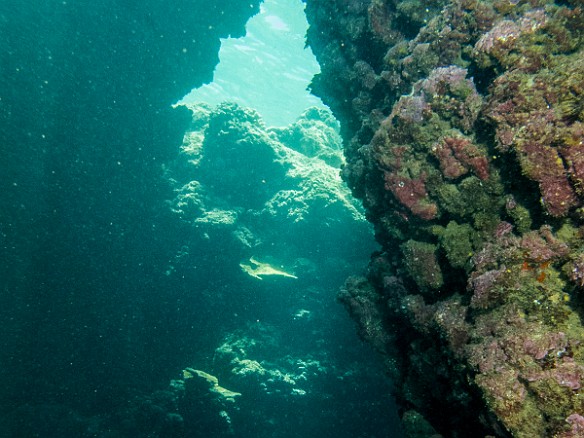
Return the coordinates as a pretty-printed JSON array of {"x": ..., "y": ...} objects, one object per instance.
[{"x": 262, "y": 269}]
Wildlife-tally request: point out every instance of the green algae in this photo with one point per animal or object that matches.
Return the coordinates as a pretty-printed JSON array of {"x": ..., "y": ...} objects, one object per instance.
[
  {"x": 422, "y": 265},
  {"x": 456, "y": 241}
]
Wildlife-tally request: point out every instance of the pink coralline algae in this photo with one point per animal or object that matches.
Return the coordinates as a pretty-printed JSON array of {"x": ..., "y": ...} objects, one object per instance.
[
  {"x": 445, "y": 80},
  {"x": 539, "y": 347},
  {"x": 532, "y": 115},
  {"x": 510, "y": 261},
  {"x": 452, "y": 96},
  {"x": 499, "y": 39},
  {"x": 412, "y": 194},
  {"x": 571, "y": 151},
  {"x": 502, "y": 38},
  {"x": 576, "y": 421},
  {"x": 569, "y": 374},
  {"x": 519, "y": 364},
  {"x": 483, "y": 286},
  {"x": 395, "y": 161},
  {"x": 542, "y": 163},
  {"x": 565, "y": 372},
  {"x": 537, "y": 246},
  {"x": 575, "y": 269},
  {"x": 458, "y": 155},
  {"x": 410, "y": 109},
  {"x": 504, "y": 228},
  {"x": 541, "y": 246}
]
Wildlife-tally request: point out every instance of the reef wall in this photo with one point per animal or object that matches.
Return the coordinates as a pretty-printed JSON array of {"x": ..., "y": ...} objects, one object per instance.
[
  {"x": 86, "y": 90},
  {"x": 463, "y": 124}
]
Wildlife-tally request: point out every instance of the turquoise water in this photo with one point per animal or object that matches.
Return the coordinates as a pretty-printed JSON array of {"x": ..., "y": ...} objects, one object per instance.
[
  {"x": 168, "y": 273},
  {"x": 269, "y": 69}
]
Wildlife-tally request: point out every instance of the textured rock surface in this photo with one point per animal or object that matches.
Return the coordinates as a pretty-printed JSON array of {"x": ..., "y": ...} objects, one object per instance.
[
  {"x": 291, "y": 176},
  {"x": 463, "y": 130}
]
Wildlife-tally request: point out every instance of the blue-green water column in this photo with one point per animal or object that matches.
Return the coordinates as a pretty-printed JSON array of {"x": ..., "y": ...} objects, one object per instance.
[{"x": 86, "y": 89}]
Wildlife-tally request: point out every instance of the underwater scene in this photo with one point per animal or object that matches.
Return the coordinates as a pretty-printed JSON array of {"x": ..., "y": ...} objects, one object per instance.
[{"x": 292, "y": 218}]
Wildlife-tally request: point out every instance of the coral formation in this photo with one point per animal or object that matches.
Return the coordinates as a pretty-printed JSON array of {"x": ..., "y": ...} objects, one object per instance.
[
  {"x": 292, "y": 177},
  {"x": 292, "y": 170},
  {"x": 463, "y": 136},
  {"x": 212, "y": 382}
]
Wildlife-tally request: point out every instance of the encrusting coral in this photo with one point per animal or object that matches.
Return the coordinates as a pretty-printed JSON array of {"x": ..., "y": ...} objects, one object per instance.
[{"x": 463, "y": 124}]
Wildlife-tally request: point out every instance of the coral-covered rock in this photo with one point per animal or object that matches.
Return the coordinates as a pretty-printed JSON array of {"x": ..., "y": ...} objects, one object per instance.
[
  {"x": 576, "y": 422},
  {"x": 456, "y": 240},
  {"x": 366, "y": 308},
  {"x": 532, "y": 113},
  {"x": 575, "y": 269},
  {"x": 452, "y": 96},
  {"x": 422, "y": 265},
  {"x": 465, "y": 143},
  {"x": 412, "y": 194},
  {"x": 502, "y": 39},
  {"x": 458, "y": 155}
]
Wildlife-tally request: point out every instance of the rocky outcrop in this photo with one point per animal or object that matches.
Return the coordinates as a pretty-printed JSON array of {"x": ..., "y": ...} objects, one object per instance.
[
  {"x": 462, "y": 126},
  {"x": 238, "y": 181}
]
